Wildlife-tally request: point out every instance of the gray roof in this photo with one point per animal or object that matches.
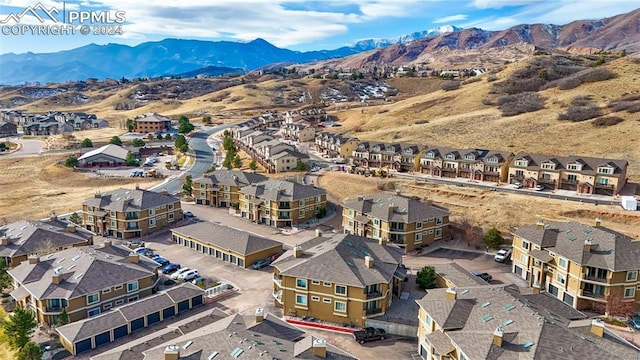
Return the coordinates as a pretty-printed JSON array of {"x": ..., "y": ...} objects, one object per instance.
[
  {"x": 340, "y": 259},
  {"x": 227, "y": 238},
  {"x": 609, "y": 249},
  {"x": 153, "y": 118},
  {"x": 289, "y": 152},
  {"x": 230, "y": 178},
  {"x": 281, "y": 190},
  {"x": 395, "y": 208},
  {"x": 85, "y": 270},
  {"x": 110, "y": 150},
  {"x": 30, "y": 237},
  {"x": 129, "y": 200},
  {"x": 457, "y": 275}
]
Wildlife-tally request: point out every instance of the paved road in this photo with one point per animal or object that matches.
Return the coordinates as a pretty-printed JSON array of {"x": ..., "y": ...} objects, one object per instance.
[{"x": 29, "y": 147}]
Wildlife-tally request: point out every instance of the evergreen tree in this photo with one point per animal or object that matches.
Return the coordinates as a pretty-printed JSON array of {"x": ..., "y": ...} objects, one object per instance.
[
  {"x": 71, "y": 161},
  {"x": 87, "y": 143},
  {"x": 187, "y": 187},
  {"x": 253, "y": 165},
  {"x": 115, "y": 140},
  {"x": 19, "y": 326},
  {"x": 138, "y": 142},
  {"x": 131, "y": 159},
  {"x": 493, "y": 239},
  {"x": 237, "y": 162},
  {"x": 63, "y": 318},
  {"x": 30, "y": 351},
  {"x": 426, "y": 278}
]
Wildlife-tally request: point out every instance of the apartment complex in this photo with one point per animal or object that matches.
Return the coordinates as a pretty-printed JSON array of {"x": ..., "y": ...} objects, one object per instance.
[
  {"x": 299, "y": 131},
  {"x": 340, "y": 279},
  {"x": 474, "y": 164},
  {"x": 335, "y": 145},
  {"x": 397, "y": 156},
  {"x": 578, "y": 264},
  {"x": 152, "y": 123},
  {"x": 84, "y": 281},
  {"x": 221, "y": 188},
  {"x": 496, "y": 322},
  {"x": 584, "y": 175},
  {"x": 20, "y": 239},
  {"x": 404, "y": 221},
  {"x": 125, "y": 213},
  {"x": 281, "y": 203}
]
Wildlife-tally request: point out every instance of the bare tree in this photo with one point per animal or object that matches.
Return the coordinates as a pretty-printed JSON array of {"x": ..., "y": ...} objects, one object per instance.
[
  {"x": 471, "y": 233},
  {"x": 46, "y": 247},
  {"x": 615, "y": 307}
]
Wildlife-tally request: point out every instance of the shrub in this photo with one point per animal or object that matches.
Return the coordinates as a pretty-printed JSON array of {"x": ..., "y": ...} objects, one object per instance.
[
  {"x": 511, "y": 105},
  {"x": 581, "y": 100},
  {"x": 450, "y": 85},
  {"x": 492, "y": 78},
  {"x": 471, "y": 80},
  {"x": 580, "y": 113},
  {"x": 423, "y": 121},
  {"x": 493, "y": 239},
  {"x": 607, "y": 121},
  {"x": 589, "y": 75},
  {"x": 488, "y": 101}
]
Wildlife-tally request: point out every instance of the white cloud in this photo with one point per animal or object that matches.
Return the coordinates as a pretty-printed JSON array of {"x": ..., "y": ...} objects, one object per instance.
[
  {"x": 499, "y": 4},
  {"x": 449, "y": 19}
]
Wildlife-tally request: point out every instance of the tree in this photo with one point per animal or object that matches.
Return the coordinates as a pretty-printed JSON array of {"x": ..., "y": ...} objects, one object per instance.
[
  {"x": 71, "y": 161},
  {"x": 115, "y": 140},
  {"x": 426, "y": 278},
  {"x": 30, "y": 351},
  {"x": 493, "y": 239},
  {"x": 75, "y": 218},
  {"x": 87, "y": 143},
  {"x": 227, "y": 143},
  {"x": 167, "y": 136},
  {"x": 187, "y": 186},
  {"x": 206, "y": 120},
  {"x": 63, "y": 318},
  {"x": 5, "y": 278},
  {"x": 159, "y": 137},
  {"x": 131, "y": 160},
  {"x": 130, "y": 124},
  {"x": 227, "y": 163},
  {"x": 253, "y": 165},
  {"x": 184, "y": 126},
  {"x": 614, "y": 307},
  {"x": 300, "y": 166},
  {"x": 180, "y": 140},
  {"x": 237, "y": 162},
  {"x": 3, "y": 147},
  {"x": 19, "y": 326},
  {"x": 137, "y": 142}
]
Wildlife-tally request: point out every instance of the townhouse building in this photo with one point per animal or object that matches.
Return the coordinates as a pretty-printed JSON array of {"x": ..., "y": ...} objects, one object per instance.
[
  {"x": 335, "y": 145},
  {"x": 128, "y": 213},
  {"x": 152, "y": 123},
  {"x": 579, "y": 264},
  {"x": 82, "y": 281},
  {"x": 397, "y": 156},
  {"x": 8, "y": 129},
  {"x": 406, "y": 222},
  {"x": 298, "y": 131},
  {"x": 584, "y": 175},
  {"x": 221, "y": 188},
  {"x": 273, "y": 154},
  {"x": 341, "y": 279},
  {"x": 280, "y": 203},
  {"x": 473, "y": 164}
]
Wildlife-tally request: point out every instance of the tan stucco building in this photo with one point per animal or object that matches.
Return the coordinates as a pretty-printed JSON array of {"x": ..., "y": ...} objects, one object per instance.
[{"x": 221, "y": 188}]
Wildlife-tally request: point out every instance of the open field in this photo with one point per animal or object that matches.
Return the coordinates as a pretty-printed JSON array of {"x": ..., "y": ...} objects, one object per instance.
[
  {"x": 483, "y": 207},
  {"x": 32, "y": 187}
]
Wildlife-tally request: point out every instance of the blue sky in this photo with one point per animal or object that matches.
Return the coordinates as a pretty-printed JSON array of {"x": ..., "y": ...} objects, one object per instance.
[{"x": 294, "y": 24}]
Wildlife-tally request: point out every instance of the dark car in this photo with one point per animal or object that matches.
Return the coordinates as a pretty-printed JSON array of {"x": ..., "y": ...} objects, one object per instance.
[
  {"x": 369, "y": 334},
  {"x": 483, "y": 275},
  {"x": 635, "y": 321},
  {"x": 188, "y": 214},
  {"x": 260, "y": 264},
  {"x": 162, "y": 261},
  {"x": 170, "y": 268}
]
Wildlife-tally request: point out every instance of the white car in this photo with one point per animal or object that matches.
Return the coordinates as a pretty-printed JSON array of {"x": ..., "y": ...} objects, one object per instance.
[
  {"x": 538, "y": 188},
  {"x": 503, "y": 255},
  {"x": 517, "y": 185},
  {"x": 177, "y": 274},
  {"x": 188, "y": 275}
]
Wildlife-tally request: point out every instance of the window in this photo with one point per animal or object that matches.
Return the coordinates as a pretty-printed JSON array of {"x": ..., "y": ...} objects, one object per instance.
[
  {"x": 340, "y": 306},
  {"x": 170, "y": 207},
  {"x": 152, "y": 212},
  {"x": 113, "y": 223},
  {"x": 525, "y": 245},
  {"x": 376, "y": 233},
  {"x": 301, "y": 283},
  {"x": 119, "y": 302},
  {"x": 315, "y": 298},
  {"x": 117, "y": 287},
  {"x": 226, "y": 188},
  {"x": 430, "y": 231},
  {"x": 326, "y": 300},
  {"x": 326, "y": 283},
  {"x": 427, "y": 320},
  {"x": 562, "y": 262},
  {"x": 133, "y": 298},
  {"x": 315, "y": 282},
  {"x": 438, "y": 221},
  {"x": 132, "y": 286},
  {"x": 629, "y": 292},
  {"x": 560, "y": 278},
  {"x": 573, "y": 167},
  {"x": 112, "y": 213},
  {"x": 438, "y": 233},
  {"x": 152, "y": 222},
  {"x": 632, "y": 275},
  {"x": 419, "y": 237},
  {"x": 605, "y": 170},
  {"x": 524, "y": 259},
  {"x": 106, "y": 306},
  {"x": 301, "y": 202},
  {"x": 93, "y": 298},
  {"x": 93, "y": 312},
  {"x": 106, "y": 291},
  {"x": 170, "y": 216},
  {"x": 301, "y": 213},
  {"x": 419, "y": 225},
  {"x": 603, "y": 181},
  {"x": 227, "y": 196},
  {"x": 301, "y": 299},
  {"x": 376, "y": 221},
  {"x": 341, "y": 290}
]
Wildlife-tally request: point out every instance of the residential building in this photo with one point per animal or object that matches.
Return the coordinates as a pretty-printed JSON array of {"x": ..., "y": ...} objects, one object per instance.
[
  {"x": 226, "y": 244},
  {"x": 407, "y": 222},
  {"x": 298, "y": 132},
  {"x": 126, "y": 213},
  {"x": 474, "y": 164},
  {"x": 110, "y": 155},
  {"x": 152, "y": 123},
  {"x": 20, "y": 239},
  {"x": 287, "y": 160},
  {"x": 273, "y": 154},
  {"x": 341, "y": 279},
  {"x": 397, "y": 156},
  {"x": 281, "y": 203},
  {"x": 84, "y": 281},
  {"x": 125, "y": 320},
  {"x": 364, "y": 152},
  {"x": 583, "y": 175},
  {"x": 335, "y": 145},
  {"x": 577, "y": 263},
  {"x": 221, "y": 188},
  {"x": 496, "y": 322},
  {"x": 452, "y": 274},
  {"x": 8, "y": 129}
]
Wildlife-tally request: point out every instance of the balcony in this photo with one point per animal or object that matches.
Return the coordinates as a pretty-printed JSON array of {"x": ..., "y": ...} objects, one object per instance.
[
  {"x": 516, "y": 176},
  {"x": 284, "y": 205},
  {"x": 277, "y": 280},
  {"x": 569, "y": 181},
  {"x": 595, "y": 278},
  {"x": 547, "y": 181},
  {"x": 372, "y": 312},
  {"x": 278, "y": 296},
  {"x": 373, "y": 294},
  {"x": 131, "y": 217},
  {"x": 604, "y": 186},
  {"x": 54, "y": 309},
  {"x": 591, "y": 294},
  {"x": 132, "y": 227}
]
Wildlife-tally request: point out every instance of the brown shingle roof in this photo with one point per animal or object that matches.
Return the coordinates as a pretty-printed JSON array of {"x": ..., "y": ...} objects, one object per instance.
[
  {"x": 281, "y": 190},
  {"x": 28, "y": 237},
  {"x": 130, "y": 200},
  {"x": 230, "y": 178},
  {"x": 396, "y": 208},
  {"x": 227, "y": 238}
]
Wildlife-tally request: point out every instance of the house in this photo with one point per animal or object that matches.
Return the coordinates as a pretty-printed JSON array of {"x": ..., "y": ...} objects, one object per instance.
[
  {"x": 153, "y": 123},
  {"x": 221, "y": 188},
  {"x": 579, "y": 264},
  {"x": 84, "y": 281},
  {"x": 298, "y": 132},
  {"x": 341, "y": 279},
  {"x": 496, "y": 322},
  {"x": 87, "y": 334},
  {"x": 110, "y": 155},
  {"x": 584, "y": 175},
  {"x": 407, "y": 222},
  {"x": 452, "y": 274},
  {"x": 335, "y": 145},
  {"x": 125, "y": 213},
  {"x": 287, "y": 160},
  {"x": 24, "y": 238},
  {"x": 224, "y": 243},
  {"x": 281, "y": 203},
  {"x": 8, "y": 129},
  {"x": 473, "y": 164}
]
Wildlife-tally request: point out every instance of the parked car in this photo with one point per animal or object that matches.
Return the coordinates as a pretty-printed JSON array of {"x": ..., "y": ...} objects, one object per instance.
[
  {"x": 189, "y": 275},
  {"x": 503, "y": 255},
  {"x": 136, "y": 244},
  {"x": 170, "y": 268},
  {"x": 483, "y": 275},
  {"x": 635, "y": 321},
  {"x": 187, "y": 214},
  {"x": 176, "y": 275},
  {"x": 169, "y": 282},
  {"x": 369, "y": 334},
  {"x": 162, "y": 261},
  {"x": 274, "y": 257},
  {"x": 142, "y": 251},
  {"x": 260, "y": 264},
  {"x": 517, "y": 185},
  {"x": 198, "y": 280}
]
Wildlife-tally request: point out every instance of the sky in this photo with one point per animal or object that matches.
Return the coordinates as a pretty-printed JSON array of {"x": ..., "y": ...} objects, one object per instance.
[{"x": 293, "y": 24}]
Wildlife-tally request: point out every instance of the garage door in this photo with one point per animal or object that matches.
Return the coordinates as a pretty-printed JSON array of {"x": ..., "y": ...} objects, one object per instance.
[
  {"x": 83, "y": 345},
  {"x": 103, "y": 338},
  {"x": 121, "y": 331},
  {"x": 137, "y": 324},
  {"x": 568, "y": 299},
  {"x": 183, "y": 305},
  {"x": 196, "y": 300},
  {"x": 153, "y": 318},
  {"x": 168, "y": 312}
]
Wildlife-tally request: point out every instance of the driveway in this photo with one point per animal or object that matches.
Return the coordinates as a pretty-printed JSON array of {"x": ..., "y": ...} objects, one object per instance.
[{"x": 29, "y": 147}]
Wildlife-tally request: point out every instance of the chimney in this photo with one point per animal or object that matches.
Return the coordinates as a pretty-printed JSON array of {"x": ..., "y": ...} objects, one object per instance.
[
  {"x": 134, "y": 258},
  {"x": 452, "y": 293},
  {"x": 33, "y": 259},
  {"x": 398, "y": 192},
  {"x": 4, "y": 241},
  {"x": 57, "y": 278},
  {"x": 360, "y": 197},
  {"x": 297, "y": 251},
  {"x": 259, "y": 315},
  {"x": 107, "y": 243},
  {"x": 392, "y": 208},
  {"x": 497, "y": 336},
  {"x": 597, "y": 327},
  {"x": 97, "y": 195},
  {"x": 318, "y": 233},
  {"x": 587, "y": 244},
  {"x": 71, "y": 228},
  {"x": 164, "y": 192},
  {"x": 137, "y": 186},
  {"x": 53, "y": 216},
  {"x": 368, "y": 261},
  {"x": 319, "y": 348},
  {"x": 172, "y": 352},
  {"x": 429, "y": 200},
  {"x": 598, "y": 222},
  {"x": 383, "y": 241},
  {"x": 540, "y": 225}
]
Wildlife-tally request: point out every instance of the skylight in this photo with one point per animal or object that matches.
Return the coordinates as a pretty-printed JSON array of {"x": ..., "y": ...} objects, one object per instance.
[
  {"x": 486, "y": 304},
  {"x": 528, "y": 345},
  {"x": 236, "y": 352},
  {"x": 487, "y": 318},
  {"x": 464, "y": 291},
  {"x": 213, "y": 355},
  {"x": 509, "y": 307},
  {"x": 185, "y": 346},
  {"x": 79, "y": 276},
  {"x": 507, "y": 322}
]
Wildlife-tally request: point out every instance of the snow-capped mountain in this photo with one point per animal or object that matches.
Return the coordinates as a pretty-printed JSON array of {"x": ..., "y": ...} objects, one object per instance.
[{"x": 370, "y": 44}]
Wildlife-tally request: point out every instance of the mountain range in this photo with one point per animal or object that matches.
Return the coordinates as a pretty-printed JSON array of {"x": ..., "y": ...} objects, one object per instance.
[{"x": 178, "y": 56}]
